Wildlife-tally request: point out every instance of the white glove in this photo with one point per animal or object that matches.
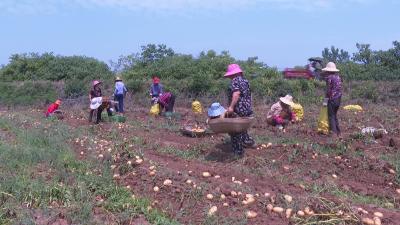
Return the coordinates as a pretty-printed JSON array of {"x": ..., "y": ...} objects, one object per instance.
[{"x": 325, "y": 103}]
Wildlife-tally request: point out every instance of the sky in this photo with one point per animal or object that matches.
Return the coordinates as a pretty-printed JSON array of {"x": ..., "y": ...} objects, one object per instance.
[{"x": 282, "y": 33}]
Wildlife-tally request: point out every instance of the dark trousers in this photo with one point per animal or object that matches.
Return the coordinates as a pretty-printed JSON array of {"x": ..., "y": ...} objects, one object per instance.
[
  {"x": 333, "y": 107},
  {"x": 241, "y": 140},
  {"x": 120, "y": 99},
  {"x": 98, "y": 115}
]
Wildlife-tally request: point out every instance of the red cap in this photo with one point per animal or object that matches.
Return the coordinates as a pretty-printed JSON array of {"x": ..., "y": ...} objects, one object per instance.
[{"x": 156, "y": 80}]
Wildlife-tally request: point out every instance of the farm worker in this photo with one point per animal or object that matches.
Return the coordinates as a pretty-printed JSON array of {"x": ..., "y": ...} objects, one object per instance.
[
  {"x": 167, "y": 102},
  {"x": 53, "y": 108},
  {"x": 156, "y": 89},
  {"x": 281, "y": 113},
  {"x": 215, "y": 111},
  {"x": 333, "y": 95},
  {"x": 119, "y": 94},
  {"x": 96, "y": 102},
  {"x": 315, "y": 66},
  {"x": 239, "y": 96}
]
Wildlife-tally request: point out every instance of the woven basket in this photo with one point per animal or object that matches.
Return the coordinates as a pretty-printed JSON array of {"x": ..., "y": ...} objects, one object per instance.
[
  {"x": 187, "y": 130},
  {"x": 231, "y": 125}
]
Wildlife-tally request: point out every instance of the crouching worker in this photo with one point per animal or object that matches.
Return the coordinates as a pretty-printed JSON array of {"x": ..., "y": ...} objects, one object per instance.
[
  {"x": 167, "y": 102},
  {"x": 52, "y": 110},
  {"x": 281, "y": 113},
  {"x": 215, "y": 111}
]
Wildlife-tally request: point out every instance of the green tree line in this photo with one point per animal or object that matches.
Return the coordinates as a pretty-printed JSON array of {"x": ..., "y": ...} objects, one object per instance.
[{"x": 181, "y": 73}]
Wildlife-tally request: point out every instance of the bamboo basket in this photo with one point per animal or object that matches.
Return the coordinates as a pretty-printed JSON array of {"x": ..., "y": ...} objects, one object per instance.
[{"x": 231, "y": 125}]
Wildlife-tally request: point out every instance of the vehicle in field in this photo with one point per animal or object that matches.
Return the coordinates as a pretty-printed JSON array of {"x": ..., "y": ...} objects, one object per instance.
[{"x": 310, "y": 71}]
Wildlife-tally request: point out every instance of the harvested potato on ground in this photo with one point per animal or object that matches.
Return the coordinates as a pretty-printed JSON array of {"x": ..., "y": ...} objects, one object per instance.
[
  {"x": 251, "y": 214},
  {"x": 210, "y": 196},
  {"x": 152, "y": 173},
  {"x": 378, "y": 214},
  {"x": 212, "y": 210},
  {"x": 368, "y": 221},
  {"x": 225, "y": 204},
  {"x": 156, "y": 189},
  {"x": 277, "y": 209},
  {"x": 300, "y": 213},
  {"x": 270, "y": 207},
  {"x": 167, "y": 182},
  {"x": 189, "y": 181},
  {"x": 206, "y": 174},
  {"x": 288, "y": 198},
  {"x": 288, "y": 213},
  {"x": 377, "y": 221},
  {"x": 223, "y": 196}
]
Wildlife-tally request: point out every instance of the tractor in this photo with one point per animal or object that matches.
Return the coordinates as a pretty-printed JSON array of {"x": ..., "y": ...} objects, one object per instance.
[{"x": 311, "y": 71}]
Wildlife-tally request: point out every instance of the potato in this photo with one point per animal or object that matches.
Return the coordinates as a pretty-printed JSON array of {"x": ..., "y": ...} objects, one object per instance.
[
  {"x": 129, "y": 162},
  {"x": 217, "y": 176},
  {"x": 392, "y": 171},
  {"x": 233, "y": 193},
  {"x": 270, "y": 207},
  {"x": 223, "y": 196},
  {"x": 334, "y": 176},
  {"x": 288, "y": 198},
  {"x": 152, "y": 173},
  {"x": 139, "y": 161},
  {"x": 378, "y": 214},
  {"x": 377, "y": 221},
  {"x": 101, "y": 156},
  {"x": 277, "y": 209},
  {"x": 300, "y": 213},
  {"x": 189, "y": 181},
  {"x": 288, "y": 213},
  {"x": 398, "y": 191},
  {"x": 251, "y": 214},
  {"x": 206, "y": 174},
  {"x": 212, "y": 210},
  {"x": 269, "y": 145},
  {"x": 210, "y": 196},
  {"x": 156, "y": 189},
  {"x": 246, "y": 180},
  {"x": 368, "y": 221},
  {"x": 225, "y": 204},
  {"x": 152, "y": 167},
  {"x": 167, "y": 182}
]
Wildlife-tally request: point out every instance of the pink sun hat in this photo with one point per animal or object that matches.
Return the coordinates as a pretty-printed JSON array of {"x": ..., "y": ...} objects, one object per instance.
[
  {"x": 96, "y": 82},
  {"x": 232, "y": 70}
]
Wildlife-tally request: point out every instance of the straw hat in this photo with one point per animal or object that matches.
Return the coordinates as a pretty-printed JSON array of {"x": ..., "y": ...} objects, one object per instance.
[
  {"x": 96, "y": 82},
  {"x": 330, "y": 67},
  {"x": 96, "y": 102},
  {"x": 232, "y": 70},
  {"x": 216, "y": 110},
  {"x": 118, "y": 79},
  {"x": 58, "y": 102},
  {"x": 288, "y": 100}
]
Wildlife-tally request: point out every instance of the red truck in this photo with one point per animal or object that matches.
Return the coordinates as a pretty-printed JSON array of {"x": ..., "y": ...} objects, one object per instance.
[{"x": 311, "y": 71}]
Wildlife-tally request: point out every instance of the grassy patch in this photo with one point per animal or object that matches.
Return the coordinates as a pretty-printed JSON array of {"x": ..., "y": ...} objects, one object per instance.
[
  {"x": 351, "y": 196},
  {"x": 40, "y": 172},
  {"x": 191, "y": 153}
]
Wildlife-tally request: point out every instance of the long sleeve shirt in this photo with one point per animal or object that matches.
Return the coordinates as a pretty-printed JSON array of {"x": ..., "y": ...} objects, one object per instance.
[
  {"x": 333, "y": 87},
  {"x": 53, "y": 107},
  {"x": 120, "y": 88},
  {"x": 156, "y": 90},
  {"x": 164, "y": 99}
]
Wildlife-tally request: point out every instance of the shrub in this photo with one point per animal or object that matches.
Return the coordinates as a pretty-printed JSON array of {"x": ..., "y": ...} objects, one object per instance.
[{"x": 27, "y": 93}]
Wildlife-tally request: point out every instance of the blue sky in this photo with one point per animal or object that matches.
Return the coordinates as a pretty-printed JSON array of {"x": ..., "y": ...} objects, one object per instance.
[{"x": 281, "y": 33}]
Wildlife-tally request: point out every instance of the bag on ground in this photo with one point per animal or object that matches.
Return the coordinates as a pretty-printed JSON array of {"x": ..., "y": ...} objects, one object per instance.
[
  {"x": 323, "y": 124},
  {"x": 298, "y": 111},
  {"x": 155, "y": 110},
  {"x": 196, "y": 107}
]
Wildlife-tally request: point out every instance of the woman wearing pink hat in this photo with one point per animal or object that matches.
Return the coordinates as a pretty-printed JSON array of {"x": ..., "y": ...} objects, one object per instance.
[
  {"x": 96, "y": 93},
  {"x": 239, "y": 96}
]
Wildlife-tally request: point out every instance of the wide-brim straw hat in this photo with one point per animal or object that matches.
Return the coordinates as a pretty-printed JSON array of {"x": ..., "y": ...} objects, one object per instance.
[
  {"x": 330, "y": 67},
  {"x": 118, "y": 79},
  {"x": 232, "y": 70},
  {"x": 288, "y": 100},
  {"x": 96, "y": 102},
  {"x": 216, "y": 110}
]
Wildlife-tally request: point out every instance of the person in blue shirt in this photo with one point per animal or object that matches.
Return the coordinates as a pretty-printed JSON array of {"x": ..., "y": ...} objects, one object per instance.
[
  {"x": 119, "y": 94},
  {"x": 156, "y": 89}
]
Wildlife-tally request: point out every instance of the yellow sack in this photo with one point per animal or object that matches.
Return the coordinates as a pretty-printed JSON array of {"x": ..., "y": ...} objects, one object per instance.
[
  {"x": 155, "y": 110},
  {"x": 196, "y": 107},
  {"x": 299, "y": 111},
  {"x": 323, "y": 124},
  {"x": 356, "y": 108}
]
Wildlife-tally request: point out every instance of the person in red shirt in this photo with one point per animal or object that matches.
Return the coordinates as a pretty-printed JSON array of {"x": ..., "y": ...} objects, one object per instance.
[{"x": 53, "y": 108}]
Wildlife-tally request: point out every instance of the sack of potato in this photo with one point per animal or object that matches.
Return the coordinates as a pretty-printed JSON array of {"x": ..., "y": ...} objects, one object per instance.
[{"x": 196, "y": 107}]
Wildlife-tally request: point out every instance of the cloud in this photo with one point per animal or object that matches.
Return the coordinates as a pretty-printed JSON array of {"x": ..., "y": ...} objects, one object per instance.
[{"x": 177, "y": 6}]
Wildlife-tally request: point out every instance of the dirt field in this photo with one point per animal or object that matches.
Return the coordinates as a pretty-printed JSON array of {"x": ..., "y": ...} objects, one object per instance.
[{"x": 340, "y": 182}]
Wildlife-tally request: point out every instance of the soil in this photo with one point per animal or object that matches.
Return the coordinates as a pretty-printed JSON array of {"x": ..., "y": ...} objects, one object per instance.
[{"x": 297, "y": 162}]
